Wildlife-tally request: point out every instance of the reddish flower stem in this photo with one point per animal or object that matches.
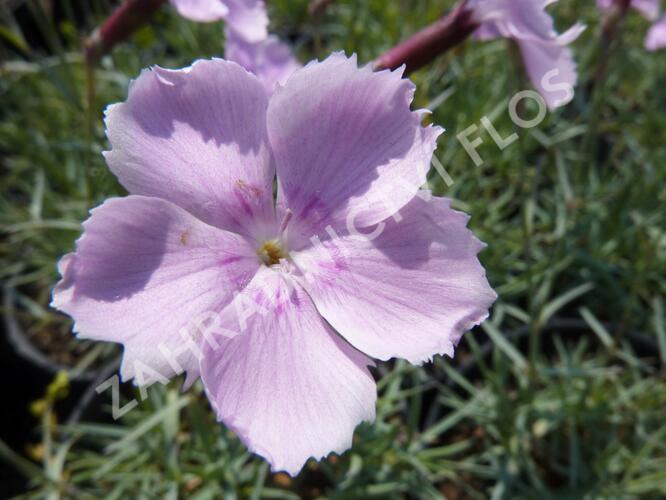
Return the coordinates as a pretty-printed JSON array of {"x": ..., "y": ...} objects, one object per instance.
[
  {"x": 126, "y": 19},
  {"x": 317, "y": 8},
  {"x": 425, "y": 45},
  {"x": 609, "y": 34},
  {"x": 415, "y": 52}
]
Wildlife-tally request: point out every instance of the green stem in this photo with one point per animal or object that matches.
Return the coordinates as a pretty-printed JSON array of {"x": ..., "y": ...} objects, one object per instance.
[{"x": 609, "y": 40}]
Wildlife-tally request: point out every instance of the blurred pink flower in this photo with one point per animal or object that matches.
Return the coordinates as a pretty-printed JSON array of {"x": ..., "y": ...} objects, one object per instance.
[
  {"x": 247, "y": 17},
  {"x": 548, "y": 60},
  {"x": 649, "y": 8},
  {"x": 270, "y": 59},
  {"x": 656, "y": 37},
  {"x": 307, "y": 297}
]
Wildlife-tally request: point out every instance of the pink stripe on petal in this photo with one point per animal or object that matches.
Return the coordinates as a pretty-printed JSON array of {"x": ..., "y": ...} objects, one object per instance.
[
  {"x": 197, "y": 137},
  {"x": 288, "y": 386},
  {"x": 144, "y": 271},
  {"x": 346, "y": 144},
  {"x": 411, "y": 292}
]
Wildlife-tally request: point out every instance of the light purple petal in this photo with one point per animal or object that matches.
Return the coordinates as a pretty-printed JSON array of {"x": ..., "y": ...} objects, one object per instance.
[
  {"x": 551, "y": 69},
  {"x": 197, "y": 137},
  {"x": 411, "y": 292},
  {"x": 248, "y": 18},
  {"x": 487, "y": 31},
  {"x": 144, "y": 270},
  {"x": 202, "y": 10},
  {"x": 346, "y": 145},
  {"x": 513, "y": 19},
  {"x": 656, "y": 37},
  {"x": 288, "y": 385},
  {"x": 649, "y": 8},
  {"x": 548, "y": 61},
  {"x": 271, "y": 60}
]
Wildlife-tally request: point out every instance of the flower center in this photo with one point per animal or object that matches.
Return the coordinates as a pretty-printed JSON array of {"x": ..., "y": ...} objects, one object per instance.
[{"x": 271, "y": 252}]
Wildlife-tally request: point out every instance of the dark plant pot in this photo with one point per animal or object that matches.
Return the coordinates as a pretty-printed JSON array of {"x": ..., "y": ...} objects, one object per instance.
[
  {"x": 84, "y": 382},
  {"x": 25, "y": 348}
]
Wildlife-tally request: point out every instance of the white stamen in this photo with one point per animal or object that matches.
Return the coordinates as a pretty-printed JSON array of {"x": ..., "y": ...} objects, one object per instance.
[{"x": 288, "y": 214}]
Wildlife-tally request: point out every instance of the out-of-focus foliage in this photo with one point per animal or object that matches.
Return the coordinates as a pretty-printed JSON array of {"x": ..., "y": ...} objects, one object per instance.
[{"x": 560, "y": 395}]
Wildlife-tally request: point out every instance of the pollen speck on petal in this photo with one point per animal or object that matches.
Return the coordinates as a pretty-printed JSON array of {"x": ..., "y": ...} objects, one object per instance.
[
  {"x": 170, "y": 139},
  {"x": 139, "y": 278}
]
